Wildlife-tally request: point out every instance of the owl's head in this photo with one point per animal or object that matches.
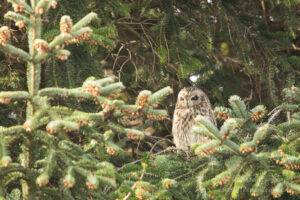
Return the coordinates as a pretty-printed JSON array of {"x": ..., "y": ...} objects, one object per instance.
[{"x": 189, "y": 97}]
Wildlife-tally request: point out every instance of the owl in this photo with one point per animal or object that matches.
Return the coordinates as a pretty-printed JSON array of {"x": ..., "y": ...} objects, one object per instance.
[{"x": 191, "y": 102}]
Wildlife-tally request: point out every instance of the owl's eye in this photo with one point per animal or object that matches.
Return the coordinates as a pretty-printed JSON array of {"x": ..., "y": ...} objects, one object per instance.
[
  {"x": 194, "y": 98},
  {"x": 181, "y": 98}
]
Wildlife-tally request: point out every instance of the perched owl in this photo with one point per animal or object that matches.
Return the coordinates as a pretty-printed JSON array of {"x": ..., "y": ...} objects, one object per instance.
[{"x": 191, "y": 102}]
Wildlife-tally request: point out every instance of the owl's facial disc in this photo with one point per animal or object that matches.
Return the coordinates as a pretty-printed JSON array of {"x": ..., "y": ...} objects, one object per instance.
[{"x": 184, "y": 101}]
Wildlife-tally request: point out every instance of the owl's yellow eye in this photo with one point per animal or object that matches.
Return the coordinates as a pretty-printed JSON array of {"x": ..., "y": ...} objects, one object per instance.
[{"x": 194, "y": 98}]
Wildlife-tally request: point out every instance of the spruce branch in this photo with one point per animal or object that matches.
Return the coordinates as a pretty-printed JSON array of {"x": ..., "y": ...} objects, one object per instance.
[
  {"x": 6, "y": 97},
  {"x": 259, "y": 186},
  {"x": 84, "y": 30},
  {"x": 114, "y": 87},
  {"x": 22, "y": 3},
  {"x": 239, "y": 107},
  {"x": 14, "y": 167},
  {"x": 60, "y": 39},
  {"x": 240, "y": 182},
  {"x": 42, "y": 6},
  {"x": 64, "y": 92},
  {"x": 74, "y": 155},
  {"x": 5, "y": 158},
  {"x": 214, "y": 132},
  {"x": 16, "y": 51},
  {"x": 84, "y": 21},
  {"x": 61, "y": 125},
  {"x": 11, "y": 130},
  {"x": 156, "y": 97},
  {"x": 17, "y": 17}
]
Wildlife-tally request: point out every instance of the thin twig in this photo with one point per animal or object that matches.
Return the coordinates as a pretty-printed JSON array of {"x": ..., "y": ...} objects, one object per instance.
[
  {"x": 190, "y": 172},
  {"x": 166, "y": 42},
  {"x": 120, "y": 70},
  {"x": 169, "y": 149},
  {"x": 117, "y": 55},
  {"x": 150, "y": 43},
  {"x": 135, "y": 184},
  {"x": 154, "y": 145},
  {"x": 274, "y": 115},
  {"x": 288, "y": 116},
  {"x": 274, "y": 110}
]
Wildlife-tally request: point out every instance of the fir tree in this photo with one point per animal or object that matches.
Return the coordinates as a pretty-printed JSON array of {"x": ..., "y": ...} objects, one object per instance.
[
  {"x": 82, "y": 141},
  {"x": 59, "y": 151},
  {"x": 250, "y": 158}
]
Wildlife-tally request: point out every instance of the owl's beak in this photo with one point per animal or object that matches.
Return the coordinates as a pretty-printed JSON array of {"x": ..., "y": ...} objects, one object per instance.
[{"x": 187, "y": 103}]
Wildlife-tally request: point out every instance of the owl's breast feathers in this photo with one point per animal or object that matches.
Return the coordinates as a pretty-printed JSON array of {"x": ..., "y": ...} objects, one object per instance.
[{"x": 183, "y": 122}]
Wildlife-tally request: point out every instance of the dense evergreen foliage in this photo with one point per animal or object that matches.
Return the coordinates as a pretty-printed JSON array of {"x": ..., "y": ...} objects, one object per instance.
[{"x": 69, "y": 128}]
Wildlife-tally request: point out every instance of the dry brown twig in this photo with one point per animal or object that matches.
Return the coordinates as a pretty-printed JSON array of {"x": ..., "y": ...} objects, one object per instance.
[{"x": 135, "y": 184}]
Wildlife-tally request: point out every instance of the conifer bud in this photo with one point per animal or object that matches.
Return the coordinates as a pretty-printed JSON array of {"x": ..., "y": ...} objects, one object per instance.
[
  {"x": 65, "y": 24},
  {"x": 82, "y": 122},
  {"x": 293, "y": 88},
  {"x": 39, "y": 10},
  {"x": 246, "y": 149},
  {"x": 43, "y": 179},
  {"x": 91, "y": 87},
  {"x": 142, "y": 191},
  {"x": 5, "y": 161},
  {"x": 92, "y": 182},
  {"x": 290, "y": 191},
  {"x": 5, "y": 99},
  {"x": 50, "y": 130},
  {"x": 41, "y": 46},
  {"x": 292, "y": 166},
  {"x": 222, "y": 115},
  {"x": 111, "y": 151},
  {"x": 282, "y": 152},
  {"x": 113, "y": 96},
  {"x": 224, "y": 180},
  {"x": 127, "y": 111},
  {"x": 225, "y": 136},
  {"x": 256, "y": 116},
  {"x": 168, "y": 183},
  {"x": 62, "y": 57},
  {"x": 277, "y": 190},
  {"x": 20, "y": 24},
  {"x": 53, "y": 4},
  {"x": 106, "y": 107},
  {"x": 254, "y": 194},
  {"x": 18, "y": 7},
  {"x": 4, "y": 35},
  {"x": 156, "y": 117},
  {"x": 27, "y": 128},
  {"x": 208, "y": 152},
  {"x": 275, "y": 195},
  {"x": 143, "y": 99},
  {"x": 79, "y": 38},
  {"x": 133, "y": 136},
  {"x": 57, "y": 47},
  {"x": 69, "y": 181},
  {"x": 140, "y": 196}
]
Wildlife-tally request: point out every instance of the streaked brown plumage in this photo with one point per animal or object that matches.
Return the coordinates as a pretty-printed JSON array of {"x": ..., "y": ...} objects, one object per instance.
[{"x": 191, "y": 102}]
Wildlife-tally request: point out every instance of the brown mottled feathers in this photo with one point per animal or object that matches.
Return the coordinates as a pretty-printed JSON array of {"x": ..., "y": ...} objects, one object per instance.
[{"x": 191, "y": 102}]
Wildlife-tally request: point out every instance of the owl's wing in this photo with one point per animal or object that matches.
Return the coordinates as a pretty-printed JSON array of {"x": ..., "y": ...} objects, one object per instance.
[
  {"x": 211, "y": 116},
  {"x": 208, "y": 111}
]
